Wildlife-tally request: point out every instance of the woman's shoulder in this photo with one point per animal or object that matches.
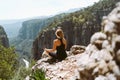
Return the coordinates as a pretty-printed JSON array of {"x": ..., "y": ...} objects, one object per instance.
[{"x": 55, "y": 40}]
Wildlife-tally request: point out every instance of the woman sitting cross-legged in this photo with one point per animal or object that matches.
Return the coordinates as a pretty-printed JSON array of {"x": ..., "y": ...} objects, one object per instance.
[{"x": 59, "y": 45}]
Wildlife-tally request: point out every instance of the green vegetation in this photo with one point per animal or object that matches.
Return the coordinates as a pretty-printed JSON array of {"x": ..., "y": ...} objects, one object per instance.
[
  {"x": 21, "y": 73},
  {"x": 11, "y": 69},
  {"x": 38, "y": 74},
  {"x": 8, "y": 63}
]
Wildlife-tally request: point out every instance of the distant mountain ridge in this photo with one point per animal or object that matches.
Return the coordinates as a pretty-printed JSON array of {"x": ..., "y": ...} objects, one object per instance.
[
  {"x": 73, "y": 10},
  {"x": 11, "y": 21},
  {"x": 13, "y": 26},
  {"x": 12, "y": 29}
]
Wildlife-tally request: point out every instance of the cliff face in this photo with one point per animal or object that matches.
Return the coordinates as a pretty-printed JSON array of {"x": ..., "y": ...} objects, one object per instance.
[
  {"x": 27, "y": 33},
  {"x": 29, "y": 29},
  {"x": 74, "y": 35},
  {"x": 3, "y": 38}
]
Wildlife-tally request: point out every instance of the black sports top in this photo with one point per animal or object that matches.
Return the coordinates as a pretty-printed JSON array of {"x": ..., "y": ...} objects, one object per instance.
[{"x": 61, "y": 53}]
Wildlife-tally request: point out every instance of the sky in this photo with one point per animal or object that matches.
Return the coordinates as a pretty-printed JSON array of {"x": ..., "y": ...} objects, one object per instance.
[{"x": 19, "y": 9}]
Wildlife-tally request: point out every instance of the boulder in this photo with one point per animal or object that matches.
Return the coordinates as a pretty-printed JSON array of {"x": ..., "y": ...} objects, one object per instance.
[{"x": 77, "y": 49}]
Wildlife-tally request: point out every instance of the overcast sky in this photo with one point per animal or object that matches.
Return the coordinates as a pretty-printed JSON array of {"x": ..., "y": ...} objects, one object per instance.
[{"x": 18, "y": 9}]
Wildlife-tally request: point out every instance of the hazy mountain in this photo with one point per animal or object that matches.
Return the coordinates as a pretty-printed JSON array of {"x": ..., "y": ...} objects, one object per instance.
[
  {"x": 12, "y": 26},
  {"x": 12, "y": 29},
  {"x": 2, "y": 22},
  {"x": 73, "y": 10}
]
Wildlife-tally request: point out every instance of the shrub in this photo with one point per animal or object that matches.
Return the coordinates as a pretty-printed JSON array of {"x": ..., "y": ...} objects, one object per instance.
[
  {"x": 38, "y": 74},
  {"x": 8, "y": 62}
]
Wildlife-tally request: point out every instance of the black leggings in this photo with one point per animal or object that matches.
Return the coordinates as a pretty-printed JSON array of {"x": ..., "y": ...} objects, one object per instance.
[
  {"x": 59, "y": 58},
  {"x": 53, "y": 55}
]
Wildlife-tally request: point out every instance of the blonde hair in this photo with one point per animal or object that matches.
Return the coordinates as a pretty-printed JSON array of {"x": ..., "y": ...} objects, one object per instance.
[{"x": 59, "y": 33}]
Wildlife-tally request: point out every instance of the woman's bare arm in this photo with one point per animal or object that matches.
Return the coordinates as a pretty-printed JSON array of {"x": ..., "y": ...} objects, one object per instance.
[
  {"x": 53, "y": 49},
  {"x": 65, "y": 42}
]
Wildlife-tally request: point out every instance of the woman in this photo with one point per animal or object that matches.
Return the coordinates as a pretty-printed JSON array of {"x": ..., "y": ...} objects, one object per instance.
[{"x": 59, "y": 45}]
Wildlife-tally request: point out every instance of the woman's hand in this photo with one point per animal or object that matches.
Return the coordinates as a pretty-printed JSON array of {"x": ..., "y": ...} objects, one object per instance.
[{"x": 45, "y": 49}]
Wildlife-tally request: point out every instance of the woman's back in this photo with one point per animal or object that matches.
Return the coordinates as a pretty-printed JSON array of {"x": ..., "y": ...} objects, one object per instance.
[
  {"x": 61, "y": 53},
  {"x": 59, "y": 41}
]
